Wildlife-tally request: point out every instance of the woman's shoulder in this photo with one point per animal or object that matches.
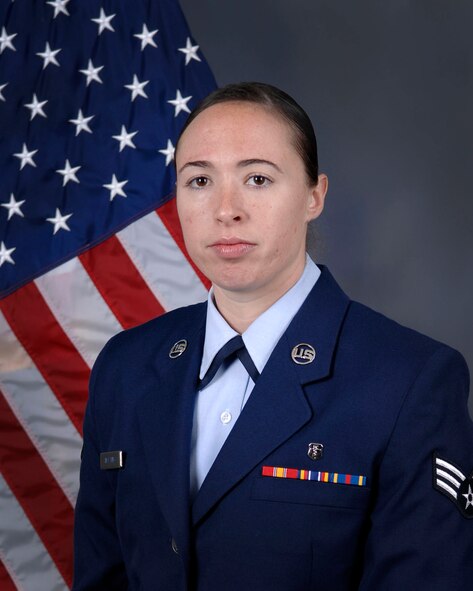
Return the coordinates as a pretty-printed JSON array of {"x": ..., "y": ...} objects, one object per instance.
[
  {"x": 157, "y": 332},
  {"x": 381, "y": 336}
]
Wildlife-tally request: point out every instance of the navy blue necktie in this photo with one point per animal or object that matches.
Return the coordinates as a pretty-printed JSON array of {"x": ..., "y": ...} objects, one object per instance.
[{"x": 234, "y": 348}]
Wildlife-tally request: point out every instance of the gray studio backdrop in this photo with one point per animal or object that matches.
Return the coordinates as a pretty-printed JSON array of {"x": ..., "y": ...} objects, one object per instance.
[{"x": 388, "y": 86}]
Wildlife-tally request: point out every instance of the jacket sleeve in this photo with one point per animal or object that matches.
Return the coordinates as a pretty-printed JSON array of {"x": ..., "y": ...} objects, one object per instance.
[
  {"x": 421, "y": 532},
  {"x": 98, "y": 562}
]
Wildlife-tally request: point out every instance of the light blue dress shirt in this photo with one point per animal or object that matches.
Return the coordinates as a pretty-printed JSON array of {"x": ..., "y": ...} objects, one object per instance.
[{"x": 220, "y": 403}]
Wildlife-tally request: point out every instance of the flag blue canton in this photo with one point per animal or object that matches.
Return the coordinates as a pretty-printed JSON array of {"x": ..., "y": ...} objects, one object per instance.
[{"x": 92, "y": 98}]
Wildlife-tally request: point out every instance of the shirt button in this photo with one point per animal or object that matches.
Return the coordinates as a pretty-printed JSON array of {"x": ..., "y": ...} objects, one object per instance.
[
  {"x": 226, "y": 417},
  {"x": 174, "y": 547}
]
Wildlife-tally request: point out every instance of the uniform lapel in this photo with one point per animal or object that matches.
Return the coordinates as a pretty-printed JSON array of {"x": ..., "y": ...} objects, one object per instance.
[
  {"x": 278, "y": 407},
  {"x": 165, "y": 418}
]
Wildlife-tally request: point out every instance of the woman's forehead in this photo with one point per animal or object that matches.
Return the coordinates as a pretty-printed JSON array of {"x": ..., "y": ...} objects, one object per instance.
[{"x": 236, "y": 123}]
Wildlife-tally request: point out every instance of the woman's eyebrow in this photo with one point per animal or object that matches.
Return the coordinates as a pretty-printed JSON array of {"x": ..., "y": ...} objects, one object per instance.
[
  {"x": 198, "y": 163},
  {"x": 252, "y": 161},
  {"x": 241, "y": 164}
]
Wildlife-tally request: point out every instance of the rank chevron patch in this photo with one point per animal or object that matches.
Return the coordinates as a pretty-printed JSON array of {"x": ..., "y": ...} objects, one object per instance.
[{"x": 450, "y": 481}]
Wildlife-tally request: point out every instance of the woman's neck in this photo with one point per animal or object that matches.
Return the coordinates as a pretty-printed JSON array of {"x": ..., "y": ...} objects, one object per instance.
[{"x": 241, "y": 308}]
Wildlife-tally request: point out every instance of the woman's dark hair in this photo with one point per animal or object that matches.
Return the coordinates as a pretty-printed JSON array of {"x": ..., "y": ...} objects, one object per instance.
[{"x": 276, "y": 100}]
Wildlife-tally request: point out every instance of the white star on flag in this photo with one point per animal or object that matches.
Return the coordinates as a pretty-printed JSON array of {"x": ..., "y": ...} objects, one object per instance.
[
  {"x": 180, "y": 103},
  {"x": 5, "y": 254},
  {"x": 5, "y": 40},
  {"x": 146, "y": 37},
  {"x": 69, "y": 173},
  {"x": 13, "y": 207},
  {"x": 2, "y": 86},
  {"x": 137, "y": 88},
  {"x": 116, "y": 187},
  {"x": 59, "y": 221},
  {"x": 92, "y": 73},
  {"x": 104, "y": 21},
  {"x": 168, "y": 151},
  {"x": 190, "y": 51},
  {"x": 125, "y": 138},
  {"x": 36, "y": 107},
  {"x": 25, "y": 157},
  {"x": 49, "y": 56},
  {"x": 59, "y": 6},
  {"x": 82, "y": 123}
]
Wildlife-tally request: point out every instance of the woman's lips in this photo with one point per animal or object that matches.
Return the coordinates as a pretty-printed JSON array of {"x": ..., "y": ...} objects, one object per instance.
[{"x": 231, "y": 248}]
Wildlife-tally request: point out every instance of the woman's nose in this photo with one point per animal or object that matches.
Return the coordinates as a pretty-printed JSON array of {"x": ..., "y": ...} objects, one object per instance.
[{"x": 229, "y": 207}]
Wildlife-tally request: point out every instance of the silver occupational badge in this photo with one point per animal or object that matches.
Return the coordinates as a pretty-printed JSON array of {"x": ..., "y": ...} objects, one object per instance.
[
  {"x": 178, "y": 349},
  {"x": 315, "y": 451},
  {"x": 303, "y": 353}
]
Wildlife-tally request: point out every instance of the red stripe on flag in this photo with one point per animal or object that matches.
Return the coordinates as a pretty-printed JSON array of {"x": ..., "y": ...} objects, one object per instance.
[
  {"x": 6, "y": 583},
  {"x": 169, "y": 217},
  {"x": 120, "y": 284},
  {"x": 35, "y": 488},
  {"x": 48, "y": 345}
]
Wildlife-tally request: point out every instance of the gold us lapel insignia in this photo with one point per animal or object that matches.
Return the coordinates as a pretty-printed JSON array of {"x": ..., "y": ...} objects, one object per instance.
[
  {"x": 303, "y": 353},
  {"x": 178, "y": 349}
]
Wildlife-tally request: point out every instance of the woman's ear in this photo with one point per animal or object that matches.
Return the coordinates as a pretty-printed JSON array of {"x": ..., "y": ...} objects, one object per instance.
[{"x": 316, "y": 200}]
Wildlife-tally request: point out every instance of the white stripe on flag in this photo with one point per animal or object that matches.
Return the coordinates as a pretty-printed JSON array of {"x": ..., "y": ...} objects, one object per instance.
[
  {"x": 79, "y": 308},
  {"x": 39, "y": 412},
  {"x": 161, "y": 263},
  {"x": 24, "y": 555}
]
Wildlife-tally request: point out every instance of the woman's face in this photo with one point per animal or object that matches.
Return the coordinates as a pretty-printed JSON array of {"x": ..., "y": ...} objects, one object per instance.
[{"x": 244, "y": 200}]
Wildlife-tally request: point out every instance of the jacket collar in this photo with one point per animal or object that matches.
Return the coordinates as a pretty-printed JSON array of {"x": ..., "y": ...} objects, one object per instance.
[{"x": 318, "y": 323}]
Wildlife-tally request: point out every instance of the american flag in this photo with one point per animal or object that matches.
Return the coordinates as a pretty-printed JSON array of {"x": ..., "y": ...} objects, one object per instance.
[{"x": 92, "y": 97}]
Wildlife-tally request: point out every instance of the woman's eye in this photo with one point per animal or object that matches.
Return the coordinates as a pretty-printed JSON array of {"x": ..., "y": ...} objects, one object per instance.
[
  {"x": 258, "y": 180},
  {"x": 199, "y": 182}
]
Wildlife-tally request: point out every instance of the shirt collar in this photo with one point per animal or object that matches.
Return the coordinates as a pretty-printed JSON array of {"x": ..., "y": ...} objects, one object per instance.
[{"x": 262, "y": 335}]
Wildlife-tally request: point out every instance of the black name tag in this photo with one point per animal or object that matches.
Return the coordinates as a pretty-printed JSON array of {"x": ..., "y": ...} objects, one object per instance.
[{"x": 111, "y": 460}]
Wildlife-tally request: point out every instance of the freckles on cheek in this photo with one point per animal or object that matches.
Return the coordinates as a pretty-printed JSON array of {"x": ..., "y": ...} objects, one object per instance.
[
  {"x": 295, "y": 229},
  {"x": 187, "y": 220}
]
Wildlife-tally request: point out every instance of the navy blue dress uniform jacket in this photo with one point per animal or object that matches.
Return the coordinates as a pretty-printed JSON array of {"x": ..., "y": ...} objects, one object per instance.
[{"x": 384, "y": 402}]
